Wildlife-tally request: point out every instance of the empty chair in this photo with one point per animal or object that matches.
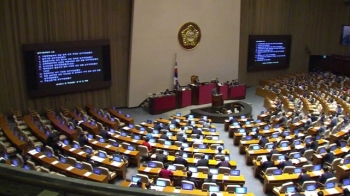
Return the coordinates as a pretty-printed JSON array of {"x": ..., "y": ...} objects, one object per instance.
[
  {"x": 109, "y": 174},
  {"x": 103, "y": 152},
  {"x": 79, "y": 130},
  {"x": 75, "y": 143},
  {"x": 45, "y": 170},
  {"x": 49, "y": 149},
  {"x": 166, "y": 180},
  {"x": 100, "y": 126},
  {"x": 308, "y": 168},
  {"x": 335, "y": 163},
  {"x": 308, "y": 154},
  {"x": 120, "y": 124},
  {"x": 224, "y": 170},
  {"x": 7, "y": 150},
  {"x": 214, "y": 146},
  {"x": 179, "y": 166},
  {"x": 333, "y": 179},
  {"x": 205, "y": 185},
  {"x": 71, "y": 161},
  {"x": 125, "y": 145},
  {"x": 203, "y": 169},
  {"x": 90, "y": 149},
  {"x": 58, "y": 174},
  {"x": 318, "y": 151},
  {"x": 101, "y": 112},
  {"x": 143, "y": 151},
  {"x": 288, "y": 169},
  {"x": 275, "y": 157},
  {"x": 332, "y": 146},
  {"x": 194, "y": 136},
  {"x": 144, "y": 178},
  {"x": 251, "y": 146},
  {"x": 269, "y": 171},
  {"x": 158, "y": 164},
  {"x": 307, "y": 183},
  {"x": 209, "y": 137},
  {"x": 282, "y": 189},
  {"x": 198, "y": 155},
  {"x": 178, "y": 143},
  {"x": 19, "y": 160},
  {"x": 232, "y": 187},
  {"x": 87, "y": 166},
  {"x": 32, "y": 166},
  {"x": 34, "y": 143}
]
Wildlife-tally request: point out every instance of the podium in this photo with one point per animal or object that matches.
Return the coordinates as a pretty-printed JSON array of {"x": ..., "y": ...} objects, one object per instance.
[
  {"x": 161, "y": 104},
  {"x": 217, "y": 100},
  {"x": 183, "y": 98},
  {"x": 223, "y": 89},
  {"x": 237, "y": 92},
  {"x": 202, "y": 94}
]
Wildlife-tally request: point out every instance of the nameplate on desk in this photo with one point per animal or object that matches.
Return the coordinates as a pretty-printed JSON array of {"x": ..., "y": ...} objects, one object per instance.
[
  {"x": 157, "y": 188},
  {"x": 284, "y": 148},
  {"x": 134, "y": 141},
  {"x": 317, "y": 173},
  {"x": 95, "y": 142},
  {"x": 126, "y": 128},
  {"x": 127, "y": 152},
  {"x": 166, "y": 146},
  {"x": 344, "y": 167},
  {"x": 251, "y": 151},
  {"x": 345, "y": 149},
  {"x": 266, "y": 131},
  {"x": 147, "y": 169},
  {"x": 71, "y": 149},
  {"x": 116, "y": 164},
  {"x": 143, "y": 123},
  {"x": 141, "y": 132},
  {"x": 195, "y": 150},
  {"x": 33, "y": 152},
  {"x": 225, "y": 177},
  {"x": 332, "y": 191},
  {"x": 215, "y": 177},
  {"x": 213, "y": 133},
  {"x": 41, "y": 156},
  {"x": 117, "y": 136},
  {"x": 81, "y": 152},
  {"x": 87, "y": 174},
  {"x": 69, "y": 168},
  {"x": 54, "y": 163},
  {"x": 271, "y": 177},
  {"x": 318, "y": 156},
  {"x": 299, "y": 147},
  {"x": 108, "y": 146},
  {"x": 302, "y": 159},
  {"x": 177, "y": 190}
]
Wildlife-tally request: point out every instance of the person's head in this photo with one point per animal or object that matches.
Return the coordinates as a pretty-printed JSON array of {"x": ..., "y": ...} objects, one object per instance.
[
  {"x": 198, "y": 137},
  {"x": 303, "y": 170},
  {"x": 161, "y": 151},
  {"x": 219, "y": 149},
  {"x": 320, "y": 193},
  {"x": 210, "y": 175},
  {"x": 297, "y": 189},
  {"x": 189, "y": 174},
  {"x": 146, "y": 139},
  {"x": 286, "y": 158},
  {"x": 88, "y": 157},
  {"x": 139, "y": 183},
  {"x": 268, "y": 157},
  {"x": 182, "y": 148},
  {"x": 166, "y": 165},
  {"x": 222, "y": 159},
  {"x": 213, "y": 194},
  {"x": 325, "y": 169},
  {"x": 203, "y": 156},
  {"x": 148, "y": 185}
]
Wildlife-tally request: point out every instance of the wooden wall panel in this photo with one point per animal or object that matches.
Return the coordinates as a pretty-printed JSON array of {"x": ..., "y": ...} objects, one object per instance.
[
  {"x": 33, "y": 21},
  {"x": 315, "y": 24}
]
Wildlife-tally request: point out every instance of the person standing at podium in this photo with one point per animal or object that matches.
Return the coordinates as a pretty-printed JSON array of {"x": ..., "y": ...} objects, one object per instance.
[
  {"x": 177, "y": 86},
  {"x": 196, "y": 82},
  {"x": 214, "y": 91}
]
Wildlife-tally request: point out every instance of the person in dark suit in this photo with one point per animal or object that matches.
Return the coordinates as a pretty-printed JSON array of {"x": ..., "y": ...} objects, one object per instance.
[
  {"x": 179, "y": 159},
  {"x": 161, "y": 157},
  {"x": 282, "y": 140},
  {"x": 274, "y": 151},
  {"x": 210, "y": 178},
  {"x": 181, "y": 138},
  {"x": 314, "y": 144},
  {"x": 196, "y": 131},
  {"x": 285, "y": 163},
  {"x": 167, "y": 92},
  {"x": 156, "y": 126},
  {"x": 83, "y": 140},
  {"x": 326, "y": 175},
  {"x": 297, "y": 192},
  {"x": 303, "y": 177},
  {"x": 329, "y": 157},
  {"x": 189, "y": 178},
  {"x": 223, "y": 163},
  {"x": 214, "y": 91},
  {"x": 177, "y": 86},
  {"x": 263, "y": 141},
  {"x": 203, "y": 162},
  {"x": 164, "y": 136},
  {"x": 52, "y": 141},
  {"x": 267, "y": 164},
  {"x": 104, "y": 133},
  {"x": 137, "y": 185}
]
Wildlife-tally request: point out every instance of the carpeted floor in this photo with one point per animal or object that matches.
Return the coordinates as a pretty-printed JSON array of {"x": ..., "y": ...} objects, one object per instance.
[{"x": 253, "y": 185}]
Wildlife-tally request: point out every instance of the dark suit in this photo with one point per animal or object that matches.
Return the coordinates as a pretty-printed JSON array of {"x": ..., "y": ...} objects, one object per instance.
[
  {"x": 285, "y": 163},
  {"x": 263, "y": 141},
  {"x": 209, "y": 180},
  {"x": 180, "y": 160},
  {"x": 192, "y": 180},
  {"x": 83, "y": 141},
  {"x": 298, "y": 194},
  {"x": 197, "y": 131},
  {"x": 302, "y": 178},
  {"x": 266, "y": 165},
  {"x": 181, "y": 139},
  {"x": 203, "y": 162},
  {"x": 329, "y": 157},
  {"x": 135, "y": 186},
  {"x": 165, "y": 137},
  {"x": 161, "y": 158},
  {"x": 325, "y": 176},
  {"x": 274, "y": 151},
  {"x": 314, "y": 145},
  {"x": 105, "y": 134},
  {"x": 156, "y": 126}
]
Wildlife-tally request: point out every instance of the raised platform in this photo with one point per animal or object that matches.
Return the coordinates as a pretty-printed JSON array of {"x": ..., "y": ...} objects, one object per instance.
[{"x": 218, "y": 115}]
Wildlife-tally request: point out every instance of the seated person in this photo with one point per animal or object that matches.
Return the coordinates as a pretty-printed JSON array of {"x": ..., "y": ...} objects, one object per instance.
[
  {"x": 161, "y": 157},
  {"x": 180, "y": 138},
  {"x": 104, "y": 134},
  {"x": 314, "y": 144},
  {"x": 189, "y": 178},
  {"x": 165, "y": 173},
  {"x": 297, "y": 192},
  {"x": 220, "y": 151},
  {"x": 167, "y": 92},
  {"x": 137, "y": 185},
  {"x": 320, "y": 193},
  {"x": 285, "y": 163},
  {"x": 303, "y": 176},
  {"x": 326, "y": 175},
  {"x": 210, "y": 178},
  {"x": 164, "y": 136},
  {"x": 329, "y": 157},
  {"x": 202, "y": 162},
  {"x": 223, "y": 163},
  {"x": 179, "y": 159},
  {"x": 274, "y": 151},
  {"x": 206, "y": 124},
  {"x": 197, "y": 140},
  {"x": 267, "y": 164},
  {"x": 83, "y": 140},
  {"x": 196, "y": 131},
  {"x": 263, "y": 141},
  {"x": 148, "y": 145},
  {"x": 89, "y": 160}
]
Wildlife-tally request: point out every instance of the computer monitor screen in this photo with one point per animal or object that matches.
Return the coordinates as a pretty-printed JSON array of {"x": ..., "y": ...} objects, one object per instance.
[
  {"x": 127, "y": 115},
  {"x": 97, "y": 171},
  {"x": 131, "y": 126},
  {"x": 111, "y": 131},
  {"x": 342, "y": 144},
  {"x": 213, "y": 130},
  {"x": 333, "y": 147},
  {"x": 149, "y": 122},
  {"x": 230, "y": 118},
  {"x": 290, "y": 189},
  {"x": 152, "y": 165},
  {"x": 235, "y": 124},
  {"x": 190, "y": 116},
  {"x": 213, "y": 138},
  {"x": 214, "y": 171},
  {"x": 317, "y": 167},
  {"x": 297, "y": 170},
  {"x": 274, "y": 135},
  {"x": 102, "y": 140},
  {"x": 241, "y": 130},
  {"x": 346, "y": 161},
  {"x": 137, "y": 137},
  {"x": 26, "y": 167},
  {"x": 142, "y": 129},
  {"x": 214, "y": 189},
  {"x": 48, "y": 154},
  {"x": 281, "y": 157},
  {"x": 296, "y": 155},
  {"x": 185, "y": 128},
  {"x": 277, "y": 126},
  {"x": 167, "y": 143},
  {"x": 254, "y": 129},
  {"x": 202, "y": 146},
  {"x": 169, "y": 134},
  {"x": 186, "y": 186},
  {"x": 206, "y": 157},
  {"x": 90, "y": 136},
  {"x": 47, "y": 132},
  {"x": 161, "y": 183},
  {"x": 242, "y": 117},
  {"x": 117, "y": 159},
  {"x": 192, "y": 169},
  {"x": 241, "y": 190},
  {"x": 247, "y": 123},
  {"x": 71, "y": 127},
  {"x": 249, "y": 137},
  {"x": 277, "y": 172},
  {"x": 235, "y": 172},
  {"x": 123, "y": 134},
  {"x": 135, "y": 179},
  {"x": 308, "y": 140},
  {"x": 172, "y": 126},
  {"x": 101, "y": 154},
  {"x": 296, "y": 132},
  {"x": 165, "y": 152},
  {"x": 152, "y": 140},
  {"x": 172, "y": 167},
  {"x": 66, "y": 142},
  {"x": 155, "y": 132},
  {"x": 185, "y": 145},
  {"x": 63, "y": 160},
  {"x": 112, "y": 119},
  {"x": 346, "y": 181},
  {"x": 330, "y": 185},
  {"x": 131, "y": 148},
  {"x": 62, "y": 122},
  {"x": 116, "y": 144},
  {"x": 227, "y": 158},
  {"x": 76, "y": 146},
  {"x": 287, "y": 133},
  {"x": 21, "y": 138},
  {"x": 311, "y": 187},
  {"x": 119, "y": 112},
  {"x": 318, "y": 137},
  {"x": 88, "y": 150},
  {"x": 322, "y": 150},
  {"x": 185, "y": 155},
  {"x": 296, "y": 142},
  {"x": 177, "y": 120},
  {"x": 15, "y": 162},
  {"x": 284, "y": 144},
  {"x": 266, "y": 128},
  {"x": 79, "y": 165},
  {"x": 92, "y": 123},
  {"x": 256, "y": 147},
  {"x": 178, "y": 114}
]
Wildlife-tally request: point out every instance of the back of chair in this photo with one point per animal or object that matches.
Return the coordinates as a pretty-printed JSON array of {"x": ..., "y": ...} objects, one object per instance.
[
  {"x": 288, "y": 169},
  {"x": 125, "y": 145},
  {"x": 105, "y": 171},
  {"x": 179, "y": 166},
  {"x": 214, "y": 146},
  {"x": 203, "y": 169},
  {"x": 275, "y": 157},
  {"x": 159, "y": 164},
  {"x": 31, "y": 165},
  {"x": 188, "y": 182},
  {"x": 269, "y": 171},
  {"x": 306, "y": 183},
  {"x": 218, "y": 157},
  {"x": 232, "y": 187},
  {"x": 205, "y": 185},
  {"x": 76, "y": 143},
  {"x": 144, "y": 178},
  {"x": 166, "y": 180},
  {"x": 308, "y": 154},
  {"x": 44, "y": 170},
  {"x": 20, "y": 160},
  {"x": 143, "y": 150},
  {"x": 333, "y": 179},
  {"x": 308, "y": 167},
  {"x": 198, "y": 155},
  {"x": 284, "y": 187},
  {"x": 251, "y": 146},
  {"x": 87, "y": 166},
  {"x": 178, "y": 143},
  {"x": 71, "y": 161},
  {"x": 224, "y": 170}
]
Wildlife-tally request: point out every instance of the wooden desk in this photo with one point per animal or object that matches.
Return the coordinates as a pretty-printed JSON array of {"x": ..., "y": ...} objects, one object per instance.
[
  {"x": 212, "y": 162},
  {"x": 121, "y": 117},
  {"x": 35, "y": 129},
  {"x": 238, "y": 136},
  {"x": 71, "y": 134},
  {"x": 134, "y": 155},
  {"x": 342, "y": 171},
  {"x": 183, "y": 118},
  {"x": 165, "y": 121},
  {"x": 257, "y": 165},
  {"x": 15, "y": 141},
  {"x": 90, "y": 128},
  {"x": 170, "y": 189},
  {"x": 103, "y": 120},
  {"x": 253, "y": 154},
  {"x": 337, "y": 136},
  {"x": 66, "y": 168},
  {"x": 325, "y": 192},
  {"x": 316, "y": 158}
]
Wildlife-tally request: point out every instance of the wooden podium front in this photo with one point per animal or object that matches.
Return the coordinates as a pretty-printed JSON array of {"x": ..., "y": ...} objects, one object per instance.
[{"x": 217, "y": 100}]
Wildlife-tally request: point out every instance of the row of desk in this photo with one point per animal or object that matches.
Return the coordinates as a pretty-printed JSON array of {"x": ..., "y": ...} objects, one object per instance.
[
  {"x": 15, "y": 141},
  {"x": 196, "y": 95}
]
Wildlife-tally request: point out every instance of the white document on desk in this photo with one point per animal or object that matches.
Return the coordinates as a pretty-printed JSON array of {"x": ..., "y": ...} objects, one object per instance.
[
  {"x": 153, "y": 144},
  {"x": 177, "y": 190},
  {"x": 345, "y": 149},
  {"x": 108, "y": 146},
  {"x": 195, "y": 175},
  {"x": 317, "y": 173},
  {"x": 127, "y": 152},
  {"x": 126, "y": 128},
  {"x": 344, "y": 167},
  {"x": 87, "y": 174},
  {"x": 69, "y": 168},
  {"x": 143, "y": 123},
  {"x": 98, "y": 159},
  {"x": 71, "y": 149},
  {"x": 147, "y": 169},
  {"x": 332, "y": 191},
  {"x": 116, "y": 164},
  {"x": 42, "y": 156},
  {"x": 81, "y": 152},
  {"x": 271, "y": 177},
  {"x": 54, "y": 163},
  {"x": 318, "y": 156},
  {"x": 226, "y": 177},
  {"x": 284, "y": 148},
  {"x": 157, "y": 188},
  {"x": 33, "y": 152}
]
